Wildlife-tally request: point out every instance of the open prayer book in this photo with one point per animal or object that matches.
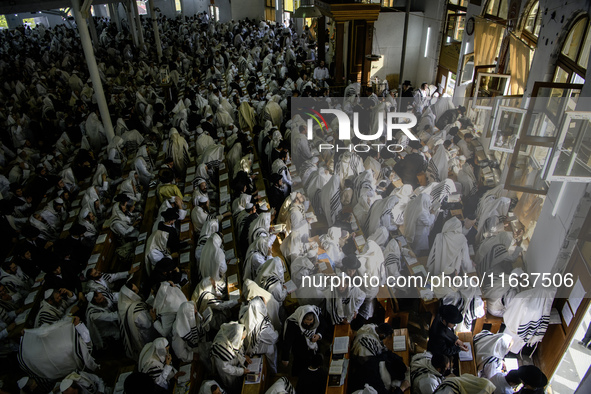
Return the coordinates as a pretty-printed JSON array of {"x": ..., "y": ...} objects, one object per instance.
[{"x": 466, "y": 355}]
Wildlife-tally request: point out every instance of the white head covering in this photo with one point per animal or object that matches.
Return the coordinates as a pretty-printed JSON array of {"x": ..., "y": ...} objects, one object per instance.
[
  {"x": 22, "y": 382},
  {"x": 298, "y": 317},
  {"x": 153, "y": 355},
  {"x": 420, "y": 204},
  {"x": 448, "y": 249},
  {"x": 213, "y": 259}
]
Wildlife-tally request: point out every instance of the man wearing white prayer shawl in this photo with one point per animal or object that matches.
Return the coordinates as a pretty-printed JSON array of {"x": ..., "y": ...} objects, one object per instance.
[
  {"x": 427, "y": 372},
  {"x": 257, "y": 254},
  {"x": 90, "y": 223},
  {"x": 202, "y": 142},
  {"x": 437, "y": 168},
  {"x": 156, "y": 249},
  {"x": 490, "y": 350},
  {"x": 492, "y": 213},
  {"x": 281, "y": 386},
  {"x": 469, "y": 302},
  {"x": 213, "y": 260},
  {"x": 369, "y": 339},
  {"x": 497, "y": 296},
  {"x": 527, "y": 317},
  {"x": 178, "y": 149},
  {"x": 372, "y": 265},
  {"x": 449, "y": 253},
  {"x": 418, "y": 220},
  {"x": 330, "y": 198},
  {"x": 227, "y": 354},
  {"x": 13, "y": 277},
  {"x": 115, "y": 151},
  {"x": 143, "y": 166},
  {"x": 260, "y": 228},
  {"x": 307, "y": 167},
  {"x": 211, "y": 386},
  {"x": 136, "y": 322},
  {"x": 301, "y": 151},
  {"x": 189, "y": 332},
  {"x": 349, "y": 164},
  {"x": 40, "y": 346},
  {"x": 468, "y": 180},
  {"x": 493, "y": 254},
  {"x": 343, "y": 303},
  {"x": 301, "y": 333},
  {"x": 465, "y": 384},
  {"x": 54, "y": 306},
  {"x": 81, "y": 382},
  {"x": 380, "y": 214},
  {"x": 166, "y": 304},
  {"x": 155, "y": 360},
  {"x": 95, "y": 132},
  {"x": 261, "y": 337},
  {"x": 332, "y": 242},
  {"x": 279, "y": 167},
  {"x": 102, "y": 318},
  {"x": 271, "y": 277},
  {"x": 98, "y": 281},
  {"x": 392, "y": 258}
]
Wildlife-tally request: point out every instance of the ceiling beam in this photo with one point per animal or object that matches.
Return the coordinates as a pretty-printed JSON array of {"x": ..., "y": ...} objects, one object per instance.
[{"x": 33, "y": 6}]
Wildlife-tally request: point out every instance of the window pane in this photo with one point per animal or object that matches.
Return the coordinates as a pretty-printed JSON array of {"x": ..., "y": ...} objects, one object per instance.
[
  {"x": 574, "y": 153},
  {"x": 507, "y": 124},
  {"x": 532, "y": 24},
  {"x": 561, "y": 75},
  {"x": 531, "y": 162},
  {"x": 541, "y": 126},
  {"x": 503, "y": 9},
  {"x": 584, "y": 56},
  {"x": 288, "y": 5},
  {"x": 493, "y": 7},
  {"x": 573, "y": 41}
]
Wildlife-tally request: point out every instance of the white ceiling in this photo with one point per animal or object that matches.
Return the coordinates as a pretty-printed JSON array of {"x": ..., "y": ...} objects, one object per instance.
[{"x": 18, "y": 6}]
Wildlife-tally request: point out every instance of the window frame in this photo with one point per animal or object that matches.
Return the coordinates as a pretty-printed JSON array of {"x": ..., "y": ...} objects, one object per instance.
[
  {"x": 566, "y": 63},
  {"x": 569, "y": 115},
  {"x": 496, "y": 122},
  {"x": 478, "y": 78},
  {"x": 526, "y": 35}
]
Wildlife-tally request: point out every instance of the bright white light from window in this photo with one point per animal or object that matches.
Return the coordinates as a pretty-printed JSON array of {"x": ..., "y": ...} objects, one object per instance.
[
  {"x": 427, "y": 41},
  {"x": 558, "y": 199}
]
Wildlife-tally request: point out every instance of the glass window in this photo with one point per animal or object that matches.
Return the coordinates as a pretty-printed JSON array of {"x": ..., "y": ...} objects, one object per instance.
[
  {"x": 490, "y": 85},
  {"x": 498, "y": 8},
  {"x": 177, "y": 5},
  {"x": 572, "y": 158},
  {"x": 573, "y": 41},
  {"x": 507, "y": 125},
  {"x": 528, "y": 166},
  {"x": 141, "y": 8},
  {"x": 288, "y": 5},
  {"x": 584, "y": 56},
  {"x": 461, "y": 3},
  {"x": 468, "y": 68},
  {"x": 561, "y": 75},
  {"x": 534, "y": 20}
]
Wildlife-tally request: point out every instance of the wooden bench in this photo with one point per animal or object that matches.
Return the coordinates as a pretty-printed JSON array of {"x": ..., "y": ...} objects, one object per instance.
[
  {"x": 494, "y": 321},
  {"x": 341, "y": 330},
  {"x": 261, "y": 386}
]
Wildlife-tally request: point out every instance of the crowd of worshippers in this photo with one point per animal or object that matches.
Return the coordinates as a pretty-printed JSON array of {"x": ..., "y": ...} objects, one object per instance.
[{"x": 232, "y": 82}]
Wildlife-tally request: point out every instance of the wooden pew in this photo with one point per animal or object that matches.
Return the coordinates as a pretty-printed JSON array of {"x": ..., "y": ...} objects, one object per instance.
[
  {"x": 261, "y": 386},
  {"x": 494, "y": 321},
  {"x": 341, "y": 330}
]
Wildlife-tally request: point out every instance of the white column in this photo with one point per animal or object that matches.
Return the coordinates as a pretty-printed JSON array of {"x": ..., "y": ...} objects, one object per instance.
[
  {"x": 138, "y": 21},
  {"x": 92, "y": 29},
  {"x": 155, "y": 28},
  {"x": 93, "y": 70},
  {"x": 114, "y": 12},
  {"x": 131, "y": 23}
]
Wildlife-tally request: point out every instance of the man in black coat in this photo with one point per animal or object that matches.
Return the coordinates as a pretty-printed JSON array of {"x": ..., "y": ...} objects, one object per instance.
[
  {"x": 412, "y": 164},
  {"x": 442, "y": 339},
  {"x": 174, "y": 243}
]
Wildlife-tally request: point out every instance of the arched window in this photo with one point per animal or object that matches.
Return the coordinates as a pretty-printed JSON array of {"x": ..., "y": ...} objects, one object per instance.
[
  {"x": 531, "y": 23},
  {"x": 574, "y": 55}
]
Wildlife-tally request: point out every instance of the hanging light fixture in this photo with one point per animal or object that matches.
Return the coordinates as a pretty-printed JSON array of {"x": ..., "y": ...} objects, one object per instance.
[
  {"x": 375, "y": 55},
  {"x": 307, "y": 11}
]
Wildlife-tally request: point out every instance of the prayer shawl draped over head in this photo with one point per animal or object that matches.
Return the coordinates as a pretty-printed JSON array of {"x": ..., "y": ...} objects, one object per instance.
[
  {"x": 367, "y": 342},
  {"x": 379, "y": 209},
  {"x": 156, "y": 249},
  {"x": 330, "y": 242},
  {"x": 281, "y": 386},
  {"x": 167, "y": 302},
  {"x": 438, "y": 167},
  {"x": 527, "y": 316},
  {"x": 207, "y": 385},
  {"x": 442, "y": 190},
  {"x": 490, "y": 214},
  {"x": 421, "y": 367},
  {"x": 270, "y": 273},
  {"x": 211, "y": 226},
  {"x": 392, "y": 258},
  {"x": 417, "y": 206},
  {"x": 344, "y": 305},
  {"x": 259, "y": 227},
  {"x": 188, "y": 330},
  {"x": 468, "y": 180},
  {"x": 489, "y": 197},
  {"x": 213, "y": 260},
  {"x": 228, "y": 342},
  {"x": 450, "y": 250},
  {"x": 256, "y": 255},
  {"x": 129, "y": 304},
  {"x": 53, "y": 351},
  {"x": 469, "y": 303},
  {"x": 255, "y": 318},
  {"x": 466, "y": 384},
  {"x": 331, "y": 200},
  {"x": 349, "y": 164},
  {"x": 153, "y": 358},
  {"x": 493, "y": 251},
  {"x": 178, "y": 150},
  {"x": 490, "y": 350},
  {"x": 298, "y": 317}
]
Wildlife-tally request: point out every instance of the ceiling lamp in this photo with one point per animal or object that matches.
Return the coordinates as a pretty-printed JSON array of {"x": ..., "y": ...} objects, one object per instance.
[
  {"x": 307, "y": 11},
  {"x": 375, "y": 55}
]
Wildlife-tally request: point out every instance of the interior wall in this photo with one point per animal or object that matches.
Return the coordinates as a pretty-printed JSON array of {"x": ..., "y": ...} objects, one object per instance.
[
  {"x": 192, "y": 7},
  {"x": 389, "y": 31},
  {"x": 252, "y": 9},
  {"x": 225, "y": 9},
  {"x": 15, "y": 20}
]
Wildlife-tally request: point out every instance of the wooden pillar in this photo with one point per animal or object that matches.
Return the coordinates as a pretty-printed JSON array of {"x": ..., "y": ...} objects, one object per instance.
[
  {"x": 339, "y": 69},
  {"x": 368, "y": 49},
  {"x": 321, "y": 38}
]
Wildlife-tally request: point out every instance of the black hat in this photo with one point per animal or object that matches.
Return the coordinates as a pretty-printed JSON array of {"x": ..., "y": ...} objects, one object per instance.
[
  {"x": 407, "y": 83},
  {"x": 77, "y": 229},
  {"x": 275, "y": 178},
  {"x": 122, "y": 197},
  {"x": 451, "y": 314},
  {"x": 532, "y": 376},
  {"x": 415, "y": 144},
  {"x": 30, "y": 232},
  {"x": 351, "y": 262},
  {"x": 170, "y": 214},
  {"x": 385, "y": 329}
]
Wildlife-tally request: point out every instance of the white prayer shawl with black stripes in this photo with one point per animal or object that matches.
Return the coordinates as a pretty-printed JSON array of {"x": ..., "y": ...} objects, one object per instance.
[
  {"x": 392, "y": 258},
  {"x": 470, "y": 304},
  {"x": 528, "y": 315},
  {"x": 367, "y": 342},
  {"x": 442, "y": 190},
  {"x": 166, "y": 304},
  {"x": 53, "y": 351},
  {"x": 49, "y": 314},
  {"x": 298, "y": 317},
  {"x": 330, "y": 199},
  {"x": 464, "y": 384},
  {"x": 207, "y": 296},
  {"x": 423, "y": 374},
  {"x": 188, "y": 331},
  {"x": 281, "y": 386},
  {"x": 468, "y": 180},
  {"x": 380, "y": 214},
  {"x": 255, "y": 319},
  {"x": 228, "y": 343},
  {"x": 152, "y": 361},
  {"x": 437, "y": 168},
  {"x": 490, "y": 350},
  {"x": 349, "y": 164},
  {"x": 343, "y": 306}
]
